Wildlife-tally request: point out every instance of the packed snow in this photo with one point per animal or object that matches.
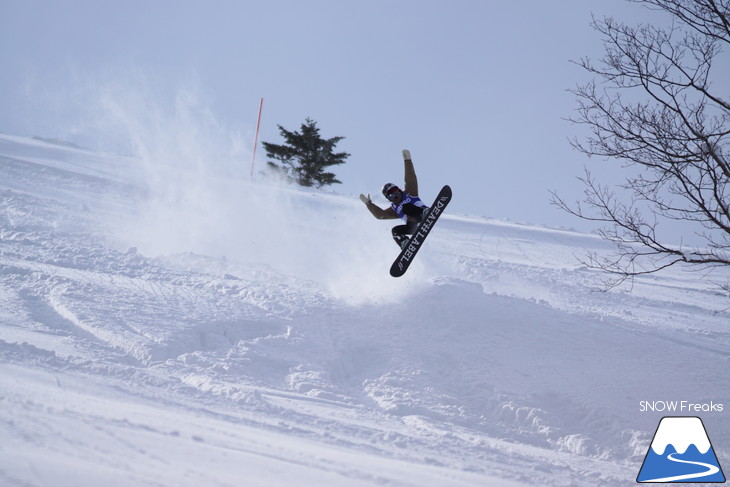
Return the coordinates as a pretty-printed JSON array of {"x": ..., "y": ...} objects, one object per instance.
[{"x": 168, "y": 321}]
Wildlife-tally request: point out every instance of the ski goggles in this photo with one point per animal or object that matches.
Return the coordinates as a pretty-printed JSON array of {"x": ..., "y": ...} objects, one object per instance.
[{"x": 392, "y": 193}]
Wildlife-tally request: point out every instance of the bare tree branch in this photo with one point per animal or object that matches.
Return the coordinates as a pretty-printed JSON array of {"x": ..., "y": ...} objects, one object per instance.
[{"x": 653, "y": 106}]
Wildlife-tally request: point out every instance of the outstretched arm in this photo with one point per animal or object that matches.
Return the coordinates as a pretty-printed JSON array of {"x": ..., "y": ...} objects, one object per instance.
[
  {"x": 410, "y": 174},
  {"x": 378, "y": 212}
]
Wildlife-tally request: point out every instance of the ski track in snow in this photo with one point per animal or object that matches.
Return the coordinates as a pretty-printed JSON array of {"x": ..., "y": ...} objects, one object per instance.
[{"x": 236, "y": 333}]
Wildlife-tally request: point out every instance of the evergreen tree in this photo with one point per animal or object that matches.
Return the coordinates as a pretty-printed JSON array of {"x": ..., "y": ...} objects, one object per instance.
[{"x": 305, "y": 155}]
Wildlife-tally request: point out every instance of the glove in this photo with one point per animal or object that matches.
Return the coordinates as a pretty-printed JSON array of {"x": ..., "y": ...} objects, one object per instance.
[{"x": 365, "y": 199}]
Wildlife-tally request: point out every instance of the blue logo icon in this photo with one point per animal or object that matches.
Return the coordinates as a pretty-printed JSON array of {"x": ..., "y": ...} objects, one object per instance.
[{"x": 681, "y": 452}]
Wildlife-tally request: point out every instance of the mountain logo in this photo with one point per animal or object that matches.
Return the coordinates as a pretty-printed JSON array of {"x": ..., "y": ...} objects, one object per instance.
[{"x": 680, "y": 452}]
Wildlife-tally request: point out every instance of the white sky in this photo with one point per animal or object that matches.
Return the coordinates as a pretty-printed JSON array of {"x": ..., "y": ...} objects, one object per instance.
[{"x": 475, "y": 89}]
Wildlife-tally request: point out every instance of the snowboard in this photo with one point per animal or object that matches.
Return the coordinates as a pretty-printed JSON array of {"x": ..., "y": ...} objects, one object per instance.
[{"x": 400, "y": 266}]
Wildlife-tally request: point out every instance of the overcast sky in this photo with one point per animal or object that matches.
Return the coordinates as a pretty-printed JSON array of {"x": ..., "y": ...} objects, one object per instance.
[{"x": 475, "y": 89}]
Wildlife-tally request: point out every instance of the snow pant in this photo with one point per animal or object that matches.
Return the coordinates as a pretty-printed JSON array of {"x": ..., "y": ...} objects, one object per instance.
[{"x": 415, "y": 215}]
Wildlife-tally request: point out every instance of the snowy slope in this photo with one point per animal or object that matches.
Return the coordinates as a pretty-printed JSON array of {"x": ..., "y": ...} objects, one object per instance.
[{"x": 170, "y": 323}]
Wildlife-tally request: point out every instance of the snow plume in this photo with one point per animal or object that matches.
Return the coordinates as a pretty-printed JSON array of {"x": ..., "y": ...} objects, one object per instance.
[
  {"x": 196, "y": 196},
  {"x": 187, "y": 166}
]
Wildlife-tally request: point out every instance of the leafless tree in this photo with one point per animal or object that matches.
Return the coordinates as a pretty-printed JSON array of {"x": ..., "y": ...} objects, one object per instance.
[{"x": 654, "y": 106}]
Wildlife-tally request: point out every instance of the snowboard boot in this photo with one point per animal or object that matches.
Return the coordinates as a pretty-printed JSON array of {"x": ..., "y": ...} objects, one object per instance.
[
  {"x": 424, "y": 214},
  {"x": 401, "y": 239}
]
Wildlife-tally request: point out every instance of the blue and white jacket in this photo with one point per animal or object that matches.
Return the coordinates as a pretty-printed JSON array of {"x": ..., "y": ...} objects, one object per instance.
[{"x": 407, "y": 199}]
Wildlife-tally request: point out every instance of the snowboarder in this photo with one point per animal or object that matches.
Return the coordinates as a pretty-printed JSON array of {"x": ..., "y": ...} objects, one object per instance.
[{"x": 404, "y": 204}]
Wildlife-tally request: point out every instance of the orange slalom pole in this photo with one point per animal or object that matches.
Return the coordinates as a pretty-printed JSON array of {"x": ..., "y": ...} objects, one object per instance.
[{"x": 256, "y": 140}]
